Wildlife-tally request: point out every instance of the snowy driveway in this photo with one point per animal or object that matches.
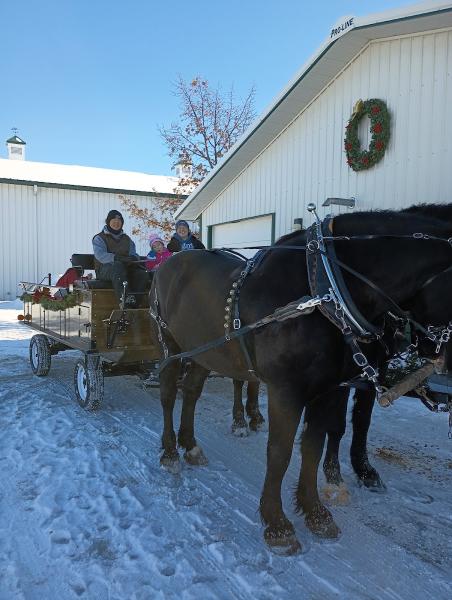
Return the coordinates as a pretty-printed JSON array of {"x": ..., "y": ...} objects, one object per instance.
[{"x": 87, "y": 512}]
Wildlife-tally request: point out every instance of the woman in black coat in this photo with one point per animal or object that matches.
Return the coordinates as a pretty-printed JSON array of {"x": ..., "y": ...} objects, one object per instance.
[{"x": 183, "y": 239}]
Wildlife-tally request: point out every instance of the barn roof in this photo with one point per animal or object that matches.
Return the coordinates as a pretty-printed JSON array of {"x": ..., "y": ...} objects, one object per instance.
[
  {"x": 346, "y": 39},
  {"x": 15, "y": 140},
  {"x": 90, "y": 178}
]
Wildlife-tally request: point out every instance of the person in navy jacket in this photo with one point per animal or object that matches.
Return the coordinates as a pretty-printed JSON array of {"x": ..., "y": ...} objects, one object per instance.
[{"x": 183, "y": 239}]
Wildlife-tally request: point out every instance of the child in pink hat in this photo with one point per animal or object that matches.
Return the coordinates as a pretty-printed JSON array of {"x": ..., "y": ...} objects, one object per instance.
[{"x": 158, "y": 253}]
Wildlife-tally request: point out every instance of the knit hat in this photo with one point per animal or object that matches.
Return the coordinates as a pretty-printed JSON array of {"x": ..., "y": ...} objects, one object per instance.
[
  {"x": 112, "y": 214},
  {"x": 155, "y": 238},
  {"x": 182, "y": 222}
]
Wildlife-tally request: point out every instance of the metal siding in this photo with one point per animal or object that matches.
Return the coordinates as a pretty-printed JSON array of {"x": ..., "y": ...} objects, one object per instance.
[
  {"x": 306, "y": 162},
  {"x": 18, "y": 236},
  {"x": 40, "y": 233}
]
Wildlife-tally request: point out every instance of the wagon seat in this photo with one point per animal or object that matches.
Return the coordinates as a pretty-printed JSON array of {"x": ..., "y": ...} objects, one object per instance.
[{"x": 86, "y": 262}]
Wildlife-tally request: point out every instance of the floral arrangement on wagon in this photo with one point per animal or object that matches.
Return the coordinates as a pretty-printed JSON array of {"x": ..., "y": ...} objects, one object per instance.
[{"x": 44, "y": 297}]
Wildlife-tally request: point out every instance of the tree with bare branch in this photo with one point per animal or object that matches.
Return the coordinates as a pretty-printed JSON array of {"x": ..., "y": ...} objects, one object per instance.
[
  {"x": 210, "y": 122},
  {"x": 157, "y": 217}
]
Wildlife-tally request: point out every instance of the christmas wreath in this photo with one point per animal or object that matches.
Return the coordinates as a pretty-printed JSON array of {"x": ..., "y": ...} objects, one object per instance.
[
  {"x": 378, "y": 114},
  {"x": 45, "y": 299}
]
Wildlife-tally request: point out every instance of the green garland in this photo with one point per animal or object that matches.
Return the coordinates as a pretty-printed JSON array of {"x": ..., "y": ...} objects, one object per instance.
[
  {"x": 48, "y": 303},
  {"x": 378, "y": 114},
  {"x": 68, "y": 301}
]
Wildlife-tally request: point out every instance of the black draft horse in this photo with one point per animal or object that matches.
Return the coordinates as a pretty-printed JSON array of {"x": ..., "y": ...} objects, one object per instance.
[
  {"x": 300, "y": 360},
  {"x": 428, "y": 301}
]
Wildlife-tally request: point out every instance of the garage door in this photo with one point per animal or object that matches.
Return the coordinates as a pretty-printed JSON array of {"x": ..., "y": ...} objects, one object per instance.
[{"x": 249, "y": 232}]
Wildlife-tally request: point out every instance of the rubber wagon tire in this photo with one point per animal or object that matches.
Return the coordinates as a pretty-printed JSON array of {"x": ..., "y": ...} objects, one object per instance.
[
  {"x": 89, "y": 383},
  {"x": 40, "y": 357}
]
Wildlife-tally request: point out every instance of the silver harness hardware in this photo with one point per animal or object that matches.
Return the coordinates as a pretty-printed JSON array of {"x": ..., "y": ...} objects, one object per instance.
[
  {"x": 439, "y": 335},
  {"x": 160, "y": 324},
  {"x": 347, "y": 318},
  {"x": 308, "y": 306}
]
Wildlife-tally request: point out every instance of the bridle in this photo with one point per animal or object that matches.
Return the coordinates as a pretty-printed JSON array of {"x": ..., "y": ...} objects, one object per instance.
[
  {"x": 325, "y": 274},
  {"x": 328, "y": 293}
]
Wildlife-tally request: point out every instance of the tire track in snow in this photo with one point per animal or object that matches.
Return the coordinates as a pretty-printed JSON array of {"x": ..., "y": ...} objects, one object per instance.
[{"x": 205, "y": 502}]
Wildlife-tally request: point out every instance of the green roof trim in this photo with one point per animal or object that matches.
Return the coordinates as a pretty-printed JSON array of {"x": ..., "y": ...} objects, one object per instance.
[{"x": 87, "y": 188}]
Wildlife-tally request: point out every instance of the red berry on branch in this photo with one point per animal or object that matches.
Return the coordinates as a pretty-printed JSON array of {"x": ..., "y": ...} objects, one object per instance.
[
  {"x": 379, "y": 145},
  {"x": 375, "y": 109},
  {"x": 377, "y": 128}
]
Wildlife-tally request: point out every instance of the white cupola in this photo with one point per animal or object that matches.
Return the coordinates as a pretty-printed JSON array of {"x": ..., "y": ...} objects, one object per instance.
[
  {"x": 16, "y": 148},
  {"x": 183, "y": 169}
]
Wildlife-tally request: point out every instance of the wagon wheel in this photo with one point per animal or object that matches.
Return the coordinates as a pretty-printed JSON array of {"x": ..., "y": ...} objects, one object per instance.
[
  {"x": 40, "y": 357},
  {"x": 89, "y": 382}
]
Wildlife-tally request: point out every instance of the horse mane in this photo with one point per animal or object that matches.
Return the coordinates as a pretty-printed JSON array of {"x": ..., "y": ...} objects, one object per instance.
[
  {"x": 443, "y": 212},
  {"x": 436, "y": 214},
  {"x": 292, "y": 237}
]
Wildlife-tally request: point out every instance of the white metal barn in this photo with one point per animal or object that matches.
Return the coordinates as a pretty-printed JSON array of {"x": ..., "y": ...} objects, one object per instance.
[
  {"x": 50, "y": 211},
  {"x": 294, "y": 153}
]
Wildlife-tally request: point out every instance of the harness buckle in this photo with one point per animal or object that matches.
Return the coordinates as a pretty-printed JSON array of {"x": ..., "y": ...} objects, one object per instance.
[
  {"x": 370, "y": 373},
  {"x": 313, "y": 246},
  {"x": 236, "y": 323},
  {"x": 308, "y": 304},
  {"x": 360, "y": 359}
]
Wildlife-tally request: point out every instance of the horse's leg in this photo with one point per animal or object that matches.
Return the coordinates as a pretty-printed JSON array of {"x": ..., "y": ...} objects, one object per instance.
[
  {"x": 336, "y": 428},
  {"x": 168, "y": 390},
  {"x": 284, "y": 412},
  {"x": 239, "y": 426},
  {"x": 317, "y": 517},
  {"x": 362, "y": 413},
  {"x": 192, "y": 388},
  {"x": 252, "y": 405},
  {"x": 335, "y": 491}
]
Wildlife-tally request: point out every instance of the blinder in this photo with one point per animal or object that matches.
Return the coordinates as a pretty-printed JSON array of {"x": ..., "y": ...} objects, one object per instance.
[{"x": 325, "y": 275}]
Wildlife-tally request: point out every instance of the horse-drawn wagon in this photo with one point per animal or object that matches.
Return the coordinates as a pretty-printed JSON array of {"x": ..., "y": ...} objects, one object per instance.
[{"x": 113, "y": 340}]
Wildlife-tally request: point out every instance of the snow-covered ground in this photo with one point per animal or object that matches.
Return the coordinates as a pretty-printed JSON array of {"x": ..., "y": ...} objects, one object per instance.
[{"x": 87, "y": 512}]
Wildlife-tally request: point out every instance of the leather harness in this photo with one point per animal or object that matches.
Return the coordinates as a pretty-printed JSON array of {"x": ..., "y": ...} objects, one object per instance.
[{"x": 329, "y": 293}]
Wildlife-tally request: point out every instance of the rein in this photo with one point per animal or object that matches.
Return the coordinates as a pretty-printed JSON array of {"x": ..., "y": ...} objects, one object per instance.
[{"x": 351, "y": 323}]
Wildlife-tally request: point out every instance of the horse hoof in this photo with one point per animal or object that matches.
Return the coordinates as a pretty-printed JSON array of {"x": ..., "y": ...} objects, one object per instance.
[
  {"x": 239, "y": 430},
  {"x": 336, "y": 495},
  {"x": 373, "y": 483},
  {"x": 257, "y": 424},
  {"x": 196, "y": 457},
  {"x": 171, "y": 463},
  {"x": 321, "y": 523},
  {"x": 282, "y": 544}
]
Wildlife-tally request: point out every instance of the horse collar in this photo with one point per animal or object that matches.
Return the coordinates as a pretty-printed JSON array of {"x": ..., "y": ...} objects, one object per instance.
[{"x": 325, "y": 276}]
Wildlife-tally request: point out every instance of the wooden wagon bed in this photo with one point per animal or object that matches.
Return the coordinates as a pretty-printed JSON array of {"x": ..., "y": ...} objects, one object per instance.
[{"x": 113, "y": 341}]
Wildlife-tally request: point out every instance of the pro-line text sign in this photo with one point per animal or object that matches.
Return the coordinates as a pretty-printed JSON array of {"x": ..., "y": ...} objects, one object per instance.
[{"x": 342, "y": 26}]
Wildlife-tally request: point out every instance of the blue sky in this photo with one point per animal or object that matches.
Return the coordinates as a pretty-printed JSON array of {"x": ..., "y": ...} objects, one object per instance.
[{"x": 88, "y": 81}]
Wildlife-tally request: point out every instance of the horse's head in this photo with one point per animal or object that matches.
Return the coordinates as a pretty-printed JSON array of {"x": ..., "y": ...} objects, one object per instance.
[
  {"x": 400, "y": 252},
  {"x": 432, "y": 308},
  {"x": 432, "y": 305}
]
